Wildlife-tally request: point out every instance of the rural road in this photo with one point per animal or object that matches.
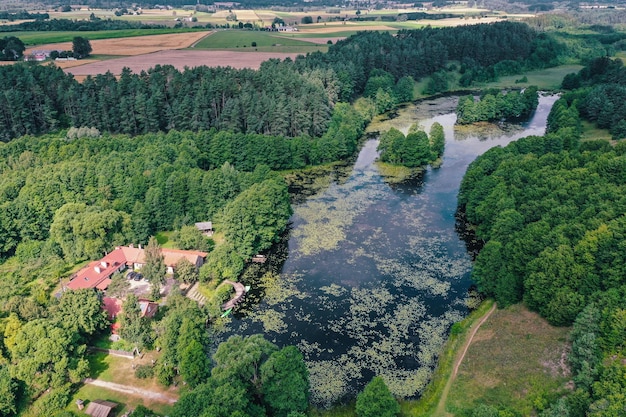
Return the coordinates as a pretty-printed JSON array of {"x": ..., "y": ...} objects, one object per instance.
[
  {"x": 155, "y": 396},
  {"x": 441, "y": 406}
]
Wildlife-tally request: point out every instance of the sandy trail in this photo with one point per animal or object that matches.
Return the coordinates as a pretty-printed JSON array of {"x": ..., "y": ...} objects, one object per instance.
[
  {"x": 441, "y": 406},
  {"x": 155, "y": 396}
]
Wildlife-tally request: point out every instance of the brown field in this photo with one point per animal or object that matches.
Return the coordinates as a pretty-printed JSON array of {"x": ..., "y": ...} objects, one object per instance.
[
  {"x": 179, "y": 59},
  {"x": 136, "y": 45}
]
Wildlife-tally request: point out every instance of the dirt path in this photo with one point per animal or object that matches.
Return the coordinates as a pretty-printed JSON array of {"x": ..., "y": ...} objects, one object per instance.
[
  {"x": 441, "y": 406},
  {"x": 155, "y": 396}
]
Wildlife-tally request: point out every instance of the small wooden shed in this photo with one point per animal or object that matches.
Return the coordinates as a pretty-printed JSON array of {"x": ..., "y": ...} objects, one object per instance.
[
  {"x": 205, "y": 227},
  {"x": 100, "y": 408}
]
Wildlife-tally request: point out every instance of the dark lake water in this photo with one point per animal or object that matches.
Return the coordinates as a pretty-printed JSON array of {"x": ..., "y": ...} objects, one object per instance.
[{"x": 376, "y": 274}]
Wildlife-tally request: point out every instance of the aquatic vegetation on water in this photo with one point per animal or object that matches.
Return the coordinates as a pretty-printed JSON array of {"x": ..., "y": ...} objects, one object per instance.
[
  {"x": 376, "y": 275},
  {"x": 324, "y": 221}
]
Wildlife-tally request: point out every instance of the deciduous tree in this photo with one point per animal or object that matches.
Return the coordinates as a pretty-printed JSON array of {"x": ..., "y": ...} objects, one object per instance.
[
  {"x": 81, "y": 47},
  {"x": 376, "y": 400}
]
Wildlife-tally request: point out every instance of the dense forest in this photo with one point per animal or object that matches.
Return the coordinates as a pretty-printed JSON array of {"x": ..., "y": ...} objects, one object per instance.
[
  {"x": 496, "y": 106},
  {"x": 288, "y": 98},
  {"x": 550, "y": 211},
  {"x": 416, "y": 149}
]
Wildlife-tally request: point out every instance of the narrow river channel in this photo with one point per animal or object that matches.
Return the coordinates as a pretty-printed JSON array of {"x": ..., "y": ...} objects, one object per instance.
[{"x": 376, "y": 274}]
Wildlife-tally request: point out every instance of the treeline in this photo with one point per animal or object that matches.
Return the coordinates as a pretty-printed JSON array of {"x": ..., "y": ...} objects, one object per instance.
[
  {"x": 415, "y": 149},
  {"x": 552, "y": 218},
  {"x": 497, "y": 105},
  {"x": 419, "y": 53},
  {"x": 275, "y": 100},
  {"x": 50, "y": 25},
  {"x": 599, "y": 94},
  {"x": 22, "y": 15},
  {"x": 550, "y": 211},
  {"x": 250, "y": 377},
  {"x": 111, "y": 191},
  {"x": 279, "y": 99},
  {"x": 47, "y": 371}
]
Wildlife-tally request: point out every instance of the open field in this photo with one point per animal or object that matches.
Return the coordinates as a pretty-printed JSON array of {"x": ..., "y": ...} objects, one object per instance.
[
  {"x": 180, "y": 60},
  {"x": 265, "y": 42},
  {"x": 516, "y": 360},
  {"x": 133, "y": 45},
  {"x": 45, "y": 38},
  {"x": 545, "y": 79}
]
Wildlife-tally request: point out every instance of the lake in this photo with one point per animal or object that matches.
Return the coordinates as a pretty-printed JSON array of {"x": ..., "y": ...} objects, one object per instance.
[{"x": 376, "y": 273}]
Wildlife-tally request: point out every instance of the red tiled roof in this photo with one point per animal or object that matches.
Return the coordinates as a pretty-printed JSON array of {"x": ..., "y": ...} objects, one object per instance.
[
  {"x": 148, "y": 308},
  {"x": 98, "y": 273}
]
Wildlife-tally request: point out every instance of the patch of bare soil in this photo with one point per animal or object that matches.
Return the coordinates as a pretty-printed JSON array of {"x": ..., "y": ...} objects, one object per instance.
[{"x": 180, "y": 60}]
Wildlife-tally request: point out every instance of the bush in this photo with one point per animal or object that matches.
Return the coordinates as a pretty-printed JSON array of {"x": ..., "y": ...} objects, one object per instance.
[{"x": 144, "y": 371}]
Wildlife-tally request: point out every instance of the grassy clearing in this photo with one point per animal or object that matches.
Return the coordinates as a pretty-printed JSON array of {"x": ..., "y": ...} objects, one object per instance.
[
  {"x": 592, "y": 132},
  {"x": 165, "y": 239},
  {"x": 545, "y": 79},
  {"x": 126, "y": 402},
  {"x": 517, "y": 360},
  {"x": 43, "y": 38},
  {"x": 120, "y": 370}
]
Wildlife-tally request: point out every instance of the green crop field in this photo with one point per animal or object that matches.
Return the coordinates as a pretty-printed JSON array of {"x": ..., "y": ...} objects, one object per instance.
[
  {"x": 42, "y": 38},
  {"x": 265, "y": 42}
]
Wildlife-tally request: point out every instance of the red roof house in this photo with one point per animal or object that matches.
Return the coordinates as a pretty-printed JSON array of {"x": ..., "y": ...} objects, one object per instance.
[{"x": 98, "y": 273}]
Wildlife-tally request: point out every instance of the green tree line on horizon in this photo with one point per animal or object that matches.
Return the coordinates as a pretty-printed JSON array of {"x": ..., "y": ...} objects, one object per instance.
[{"x": 289, "y": 98}]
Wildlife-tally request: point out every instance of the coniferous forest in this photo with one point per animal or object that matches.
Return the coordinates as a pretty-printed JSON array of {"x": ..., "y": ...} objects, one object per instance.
[{"x": 90, "y": 165}]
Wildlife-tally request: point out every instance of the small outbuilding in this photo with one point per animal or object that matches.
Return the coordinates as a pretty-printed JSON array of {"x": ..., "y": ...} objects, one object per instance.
[
  {"x": 100, "y": 408},
  {"x": 205, "y": 227}
]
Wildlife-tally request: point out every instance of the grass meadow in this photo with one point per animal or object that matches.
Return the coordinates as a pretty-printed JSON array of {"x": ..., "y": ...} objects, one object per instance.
[{"x": 517, "y": 360}]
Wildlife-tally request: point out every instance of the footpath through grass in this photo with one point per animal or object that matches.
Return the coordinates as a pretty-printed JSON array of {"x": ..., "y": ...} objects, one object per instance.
[{"x": 427, "y": 404}]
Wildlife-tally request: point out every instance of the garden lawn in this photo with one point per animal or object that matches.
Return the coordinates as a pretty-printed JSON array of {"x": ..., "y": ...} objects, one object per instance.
[{"x": 126, "y": 402}]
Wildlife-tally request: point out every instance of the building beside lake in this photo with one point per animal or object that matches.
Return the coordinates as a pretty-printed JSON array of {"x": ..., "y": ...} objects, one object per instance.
[{"x": 97, "y": 274}]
